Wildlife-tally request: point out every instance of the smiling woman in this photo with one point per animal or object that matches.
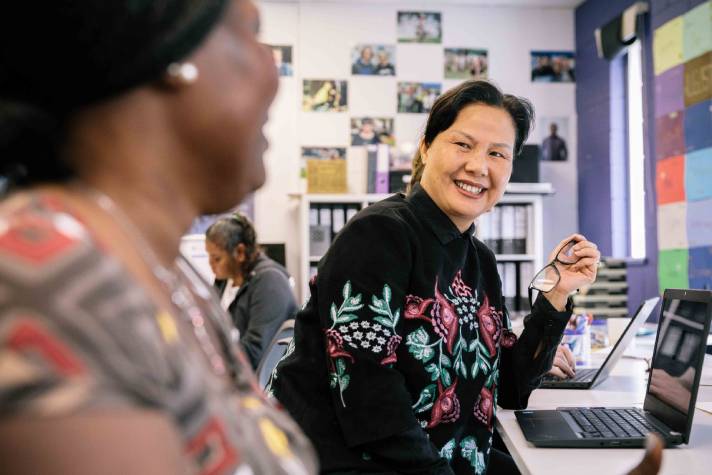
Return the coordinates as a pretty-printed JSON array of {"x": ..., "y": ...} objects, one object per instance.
[
  {"x": 407, "y": 316},
  {"x": 120, "y": 122}
]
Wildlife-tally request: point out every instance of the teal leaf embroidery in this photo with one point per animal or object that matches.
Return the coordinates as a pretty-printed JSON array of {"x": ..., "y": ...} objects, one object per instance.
[
  {"x": 434, "y": 371},
  {"x": 469, "y": 451},
  {"x": 426, "y": 398},
  {"x": 445, "y": 376},
  {"x": 447, "y": 450}
]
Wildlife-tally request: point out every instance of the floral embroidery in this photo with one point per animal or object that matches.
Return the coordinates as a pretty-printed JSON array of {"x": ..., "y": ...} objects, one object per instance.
[
  {"x": 469, "y": 451},
  {"x": 484, "y": 407},
  {"x": 446, "y": 407},
  {"x": 443, "y": 359},
  {"x": 360, "y": 335},
  {"x": 490, "y": 324},
  {"x": 445, "y": 321}
]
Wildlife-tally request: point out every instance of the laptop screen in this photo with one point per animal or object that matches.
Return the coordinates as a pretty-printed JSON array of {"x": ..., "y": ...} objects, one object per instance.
[{"x": 677, "y": 359}]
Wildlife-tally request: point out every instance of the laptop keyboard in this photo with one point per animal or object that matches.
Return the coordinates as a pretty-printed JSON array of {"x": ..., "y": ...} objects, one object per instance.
[
  {"x": 581, "y": 375},
  {"x": 611, "y": 423}
]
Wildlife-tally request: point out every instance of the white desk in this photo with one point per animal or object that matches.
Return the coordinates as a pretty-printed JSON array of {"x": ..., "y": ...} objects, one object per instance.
[{"x": 624, "y": 387}]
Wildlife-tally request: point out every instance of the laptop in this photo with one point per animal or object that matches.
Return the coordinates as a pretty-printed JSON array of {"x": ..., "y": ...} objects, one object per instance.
[
  {"x": 587, "y": 378},
  {"x": 670, "y": 397}
]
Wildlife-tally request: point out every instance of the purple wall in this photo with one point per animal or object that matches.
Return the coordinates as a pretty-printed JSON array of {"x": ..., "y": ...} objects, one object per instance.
[{"x": 594, "y": 102}]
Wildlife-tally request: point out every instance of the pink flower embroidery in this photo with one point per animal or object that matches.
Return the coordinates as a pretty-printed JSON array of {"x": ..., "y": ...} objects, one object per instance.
[
  {"x": 490, "y": 325},
  {"x": 445, "y": 321},
  {"x": 335, "y": 345},
  {"x": 484, "y": 407},
  {"x": 391, "y": 348},
  {"x": 508, "y": 339},
  {"x": 460, "y": 287},
  {"x": 415, "y": 307},
  {"x": 446, "y": 407}
]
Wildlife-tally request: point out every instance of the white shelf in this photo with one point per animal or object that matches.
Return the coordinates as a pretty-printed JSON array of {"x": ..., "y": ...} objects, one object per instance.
[{"x": 530, "y": 194}]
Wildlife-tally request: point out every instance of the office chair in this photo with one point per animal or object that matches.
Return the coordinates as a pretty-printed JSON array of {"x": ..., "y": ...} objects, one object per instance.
[{"x": 275, "y": 351}]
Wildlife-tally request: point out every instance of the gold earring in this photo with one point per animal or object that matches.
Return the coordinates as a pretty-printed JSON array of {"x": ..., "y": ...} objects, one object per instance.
[{"x": 182, "y": 74}]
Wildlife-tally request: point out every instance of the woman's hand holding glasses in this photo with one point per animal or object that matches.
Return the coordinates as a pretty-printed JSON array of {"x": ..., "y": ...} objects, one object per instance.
[{"x": 572, "y": 264}]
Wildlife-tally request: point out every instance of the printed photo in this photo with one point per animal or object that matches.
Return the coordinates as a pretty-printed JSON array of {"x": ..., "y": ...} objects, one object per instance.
[
  {"x": 324, "y": 95},
  {"x": 419, "y": 27},
  {"x": 417, "y": 97},
  {"x": 373, "y": 60},
  {"x": 554, "y": 135},
  {"x": 552, "y": 66},
  {"x": 463, "y": 63},
  {"x": 282, "y": 55},
  {"x": 371, "y": 130}
]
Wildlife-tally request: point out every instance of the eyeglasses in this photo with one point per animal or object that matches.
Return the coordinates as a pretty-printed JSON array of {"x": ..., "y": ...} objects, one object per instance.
[{"x": 548, "y": 277}]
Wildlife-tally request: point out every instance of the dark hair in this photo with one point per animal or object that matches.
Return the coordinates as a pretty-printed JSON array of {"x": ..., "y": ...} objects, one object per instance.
[
  {"x": 75, "y": 53},
  {"x": 229, "y": 232},
  {"x": 449, "y": 105}
]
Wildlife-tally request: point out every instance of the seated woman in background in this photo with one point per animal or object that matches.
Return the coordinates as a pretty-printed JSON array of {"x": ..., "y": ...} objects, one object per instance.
[
  {"x": 253, "y": 288},
  {"x": 405, "y": 348},
  {"x": 120, "y": 122}
]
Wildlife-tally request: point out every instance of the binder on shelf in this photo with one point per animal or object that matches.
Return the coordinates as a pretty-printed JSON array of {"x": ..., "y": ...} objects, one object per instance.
[
  {"x": 357, "y": 170},
  {"x": 338, "y": 218},
  {"x": 382, "y": 164},
  {"x": 507, "y": 223},
  {"x": 509, "y": 284},
  {"x": 319, "y": 233},
  {"x": 351, "y": 211},
  {"x": 520, "y": 229},
  {"x": 496, "y": 229},
  {"x": 371, "y": 165}
]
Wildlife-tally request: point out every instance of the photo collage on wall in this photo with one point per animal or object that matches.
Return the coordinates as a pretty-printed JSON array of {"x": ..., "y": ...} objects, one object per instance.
[{"x": 372, "y": 142}]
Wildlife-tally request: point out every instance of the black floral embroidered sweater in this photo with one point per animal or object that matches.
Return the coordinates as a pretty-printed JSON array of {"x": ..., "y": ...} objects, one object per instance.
[{"x": 404, "y": 349}]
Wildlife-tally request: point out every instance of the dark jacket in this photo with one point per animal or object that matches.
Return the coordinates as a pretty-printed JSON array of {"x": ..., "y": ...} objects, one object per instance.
[
  {"x": 405, "y": 348},
  {"x": 261, "y": 305}
]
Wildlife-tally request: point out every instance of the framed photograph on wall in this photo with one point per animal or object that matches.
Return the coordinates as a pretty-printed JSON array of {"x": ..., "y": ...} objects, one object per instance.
[
  {"x": 554, "y": 138},
  {"x": 552, "y": 66},
  {"x": 417, "y": 97},
  {"x": 465, "y": 63},
  {"x": 420, "y": 27},
  {"x": 328, "y": 95},
  {"x": 373, "y": 60},
  {"x": 371, "y": 131},
  {"x": 282, "y": 55}
]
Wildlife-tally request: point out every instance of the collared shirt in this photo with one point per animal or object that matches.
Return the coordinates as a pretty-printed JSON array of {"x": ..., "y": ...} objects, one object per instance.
[{"x": 405, "y": 348}]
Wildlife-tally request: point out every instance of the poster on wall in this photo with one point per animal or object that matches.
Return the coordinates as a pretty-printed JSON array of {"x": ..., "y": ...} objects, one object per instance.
[
  {"x": 464, "y": 63},
  {"x": 417, "y": 97},
  {"x": 419, "y": 27},
  {"x": 323, "y": 169},
  {"x": 552, "y": 66},
  {"x": 554, "y": 138},
  {"x": 371, "y": 130},
  {"x": 373, "y": 60},
  {"x": 324, "y": 95},
  {"x": 282, "y": 55}
]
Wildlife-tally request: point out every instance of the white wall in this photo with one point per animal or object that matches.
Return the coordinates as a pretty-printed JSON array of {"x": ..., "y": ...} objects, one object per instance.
[{"x": 322, "y": 36}]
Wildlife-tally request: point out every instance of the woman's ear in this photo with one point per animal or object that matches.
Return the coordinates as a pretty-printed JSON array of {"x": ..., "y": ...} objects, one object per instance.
[
  {"x": 423, "y": 152},
  {"x": 240, "y": 253}
]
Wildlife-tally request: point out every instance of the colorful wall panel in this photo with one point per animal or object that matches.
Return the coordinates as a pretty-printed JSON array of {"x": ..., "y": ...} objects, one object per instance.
[
  {"x": 698, "y": 126},
  {"x": 670, "y": 180},
  {"x": 682, "y": 55}
]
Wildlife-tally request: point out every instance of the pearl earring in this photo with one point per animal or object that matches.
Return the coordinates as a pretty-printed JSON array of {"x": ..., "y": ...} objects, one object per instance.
[{"x": 182, "y": 73}]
